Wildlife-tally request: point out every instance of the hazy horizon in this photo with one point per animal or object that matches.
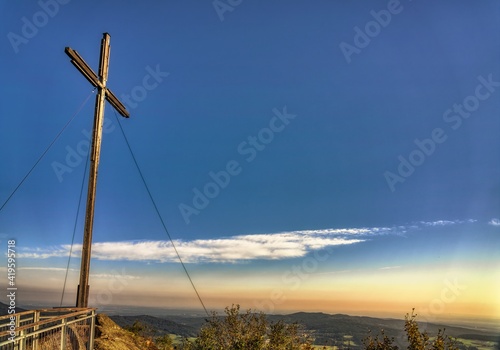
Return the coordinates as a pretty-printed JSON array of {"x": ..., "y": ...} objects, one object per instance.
[{"x": 488, "y": 324}]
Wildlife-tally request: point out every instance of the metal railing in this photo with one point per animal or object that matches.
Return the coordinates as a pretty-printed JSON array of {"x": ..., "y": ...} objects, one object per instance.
[{"x": 48, "y": 329}]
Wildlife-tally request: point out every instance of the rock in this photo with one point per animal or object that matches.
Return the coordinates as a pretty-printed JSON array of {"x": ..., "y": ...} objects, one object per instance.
[{"x": 109, "y": 336}]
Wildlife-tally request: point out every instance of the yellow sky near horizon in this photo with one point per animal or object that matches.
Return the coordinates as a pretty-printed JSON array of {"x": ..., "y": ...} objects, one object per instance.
[{"x": 439, "y": 293}]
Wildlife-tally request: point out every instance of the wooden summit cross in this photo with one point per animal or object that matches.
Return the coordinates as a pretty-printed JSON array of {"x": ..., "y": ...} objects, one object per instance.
[{"x": 99, "y": 82}]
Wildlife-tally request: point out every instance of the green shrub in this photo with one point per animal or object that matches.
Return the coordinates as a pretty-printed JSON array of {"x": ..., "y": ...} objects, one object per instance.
[
  {"x": 250, "y": 331},
  {"x": 417, "y": 340}
]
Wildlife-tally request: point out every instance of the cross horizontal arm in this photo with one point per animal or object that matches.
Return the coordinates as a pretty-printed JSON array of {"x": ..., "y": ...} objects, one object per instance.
[
  {"x": 113, "y": 100},
  {"x": 83, "y": 67},
  {"x": 91, "y": 76}
]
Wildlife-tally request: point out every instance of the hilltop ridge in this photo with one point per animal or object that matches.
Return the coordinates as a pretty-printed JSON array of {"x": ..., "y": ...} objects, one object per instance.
[{"x": 110, "y": 336}]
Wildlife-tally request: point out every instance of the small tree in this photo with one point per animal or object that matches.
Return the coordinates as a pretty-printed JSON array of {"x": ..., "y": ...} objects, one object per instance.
[
  {"x": 137, "y": 328},
  {"x": 417, "y": 340},
  {"x": 249, "y": 331},
  {"x": 164, "y": 342},
  {"x": 235, "y": 331},
  {"x": 380, "y": 342},
  {"x": 421, "y": 341},
  {"x": 186, "y": 345},
  {"x": 284, "y": 336},
  {"x": 143, "y": 331}
]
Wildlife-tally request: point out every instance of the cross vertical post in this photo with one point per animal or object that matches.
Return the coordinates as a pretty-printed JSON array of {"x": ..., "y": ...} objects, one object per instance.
[
  {"x": 98, "y": 81},
  {"x": 83, "y": 287}
]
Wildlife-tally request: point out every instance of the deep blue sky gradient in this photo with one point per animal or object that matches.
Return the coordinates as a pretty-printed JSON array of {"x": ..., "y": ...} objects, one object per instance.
[{"x": 324, "y": 170}]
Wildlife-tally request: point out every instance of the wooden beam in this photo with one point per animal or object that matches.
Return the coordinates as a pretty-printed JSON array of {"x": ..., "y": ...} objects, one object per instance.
[{"x": 98, "y": 81}]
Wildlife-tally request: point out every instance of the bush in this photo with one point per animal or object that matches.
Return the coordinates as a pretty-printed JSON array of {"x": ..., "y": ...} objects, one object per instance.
[
  {"x": 250, "y": 331},
  {"x": 164, "y": 342},
  {"x": 416, "y": 340},
  {"x": 380, "y": 342}
]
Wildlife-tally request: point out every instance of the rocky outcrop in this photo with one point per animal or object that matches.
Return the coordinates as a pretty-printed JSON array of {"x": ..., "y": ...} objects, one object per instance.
[{"x": 110, "y": 336}]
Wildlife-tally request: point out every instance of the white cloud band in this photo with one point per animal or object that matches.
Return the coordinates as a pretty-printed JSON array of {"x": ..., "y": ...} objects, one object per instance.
[
  {"x": 269, "y": 246},
  {"x": 274, "y": 246}
]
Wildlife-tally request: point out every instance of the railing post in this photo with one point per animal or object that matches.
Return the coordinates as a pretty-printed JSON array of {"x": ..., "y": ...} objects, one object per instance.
[
  {"x": 36, "y": 319},
  {"x": 22, "y": 341},
  {"x": 63, "y": 334},
  {"x": 18, "y": 322},
  {"x": 92, "y": 330}
]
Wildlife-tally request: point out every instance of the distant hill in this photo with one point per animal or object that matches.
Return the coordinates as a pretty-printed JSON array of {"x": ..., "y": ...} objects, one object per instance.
[
  {"x": 333, "y": 329},
  {"x": 338, "y": 329},
  {"x": 159, "y": 325}
]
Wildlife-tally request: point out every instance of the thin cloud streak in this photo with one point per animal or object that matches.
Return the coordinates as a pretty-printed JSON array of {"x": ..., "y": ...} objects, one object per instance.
[
  {"x": 232, "y": 249},
  {"x": 105, "y": 276},
  {"x": 446, "y": 222},
  {"x": 35, "y": 268},
  {"x": 390, "y": 267}
]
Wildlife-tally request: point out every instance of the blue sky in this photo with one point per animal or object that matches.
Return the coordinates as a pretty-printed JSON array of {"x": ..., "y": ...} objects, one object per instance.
[{"x": 368, "y": 130}]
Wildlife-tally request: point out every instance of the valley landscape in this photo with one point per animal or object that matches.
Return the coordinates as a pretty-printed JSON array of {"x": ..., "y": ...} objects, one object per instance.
[
  {"x": 334, "y": 331},
  {"x": 338, "y": 330}
]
